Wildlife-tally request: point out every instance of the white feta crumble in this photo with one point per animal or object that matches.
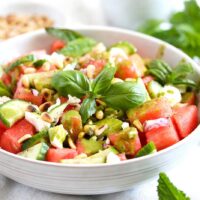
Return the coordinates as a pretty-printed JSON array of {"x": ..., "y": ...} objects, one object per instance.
[
  {"x": 171, "y": 93},
  {"x": 125, "y": 125},
  {"x": 36, "y": 121},
  {"x": 73, "y": 100},
  {"x": 99, "y": 48},
  {"x": 56, "y": 59},
  {"x": 4, "y": 99},
  {"x": 117, "y": 54},
  {"x": 70, "y": 66},
  {"x": 112, "y": 158}
]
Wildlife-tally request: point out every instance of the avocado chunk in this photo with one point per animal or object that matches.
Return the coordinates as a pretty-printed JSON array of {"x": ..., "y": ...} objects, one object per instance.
[
  {"x": 72, "y": 122},
  {"x": 114, "y": 125},
  {"x": 97, "y": 158},
  {"x": 89, "y": 146},
  {"x": 57, "y": 136}
]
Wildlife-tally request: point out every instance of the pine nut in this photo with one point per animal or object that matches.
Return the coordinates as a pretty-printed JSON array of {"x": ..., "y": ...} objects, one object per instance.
[
  {"x": 46, "y": 117},
  {"x": 99, "y": 114},
  {"x": 25, "y": 82}
]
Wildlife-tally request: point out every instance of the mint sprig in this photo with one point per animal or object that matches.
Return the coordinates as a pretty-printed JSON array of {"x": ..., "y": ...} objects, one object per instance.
[{"x": 168, "y": 191}]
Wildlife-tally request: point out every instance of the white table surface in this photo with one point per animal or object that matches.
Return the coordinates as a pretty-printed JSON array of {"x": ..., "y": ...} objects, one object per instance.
[{"x": 185, "y": 176}]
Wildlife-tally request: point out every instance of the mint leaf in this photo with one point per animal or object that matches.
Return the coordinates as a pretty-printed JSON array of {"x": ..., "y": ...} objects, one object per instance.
[
  {"x": 125, "y": 95},
  {"x": 103, "y": 81},
  {"x": 167, "y": 190},
  {"x": 71, "y": 82},
  {"x": 146, "y": 150},
  {"x": 88, "y": 108},
  {"x": 64, "y": 34},
  {"x": 78, "y": 47}
]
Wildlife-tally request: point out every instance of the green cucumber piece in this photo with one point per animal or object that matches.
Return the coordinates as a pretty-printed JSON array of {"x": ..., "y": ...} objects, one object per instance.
[
  {"x": 12, "y": 111},
  {"x": 146, "y": 150},
  {"x": 126, "y": 46},
  {"x": 36, "y": 152},
  {"x": 90, "y": 146},
  {"x": 113, "y": 124},
  {"x": 154, "y": 88},
  {"x": 37, "y": 138},
  {"x": 40, "y": 80},
  {"x": 57, "y": 112},
  {"x": 97, "y": 158}
]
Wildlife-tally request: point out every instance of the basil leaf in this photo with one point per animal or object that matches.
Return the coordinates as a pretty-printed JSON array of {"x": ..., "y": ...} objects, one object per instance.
[
  {"x": 125, "y": 95},
  {"x": 71, "y": 82},
  {"x": 39, "y": 63},
  {"x": 63, "y": 34},
  {"x": 167, "y": 190},
  {"x": 88, "y": 108},
  {"x": 78, "y": 47},
  {"x": 186, "y": 82},
  {"x": 103, "y": 81},
  {"x": 22, "y": 60},
  {"x": 181, "y": 71}
]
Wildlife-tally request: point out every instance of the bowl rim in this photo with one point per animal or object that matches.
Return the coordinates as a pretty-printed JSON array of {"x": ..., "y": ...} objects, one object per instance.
[{"x": 130, "y": 161}]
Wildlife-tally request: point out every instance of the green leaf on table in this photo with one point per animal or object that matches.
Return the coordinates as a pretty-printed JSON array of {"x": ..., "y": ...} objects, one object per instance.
[
  {"x": 66, "y": 35},
  {"x": 168, "y": 191},
  {"x": 103, "y": 81},
  {"x": 71, "y": 82},
  {"x": 125, "y": 95},
  {"x": 78, "y": 47},
  {"x": 88, "y": 108},
  {"x": 21, "y": 61}
]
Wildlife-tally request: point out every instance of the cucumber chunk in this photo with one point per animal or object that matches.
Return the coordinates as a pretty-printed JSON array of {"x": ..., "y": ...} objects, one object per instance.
[
  {"x": 154, "y": 88},
  {"x": 114, "y": 125},
  {"x": 146, "y": 150},
  {"x": 37, "y": 138},
  {"x": 12, "y": 111},
  {"x": 97, "y": 158},
  {"x": 36, "y": 152}
]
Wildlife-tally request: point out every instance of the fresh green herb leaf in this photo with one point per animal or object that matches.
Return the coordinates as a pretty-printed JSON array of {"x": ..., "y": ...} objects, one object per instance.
[
  {"x": 4, "y": 90},
  {"x": 78, "y": 47},
  {"x": 182, "y": 30},
  {"x": 71, "y": 82},
  {"x": 167, "y": 191},
  {"x": 66, "y": 35},
  {"x": 23, "y": 60},
  {"x": 125, "y": 95},
  {"x": 103, "y": 81},
  {"x": 146, "y": 150},
  {"x": 88, "y": 108},
  {"x": 39, "y": 63},
  {"x": 165, "y": 75},
  {"x": 126, "y": 46}
]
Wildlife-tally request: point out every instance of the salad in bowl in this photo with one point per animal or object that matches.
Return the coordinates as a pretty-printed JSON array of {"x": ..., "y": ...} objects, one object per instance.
[{"x": 82, "y": 102}]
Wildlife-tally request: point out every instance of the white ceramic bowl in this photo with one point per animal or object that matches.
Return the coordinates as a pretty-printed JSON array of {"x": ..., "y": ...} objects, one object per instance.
[{"x": 102, "y": 178}]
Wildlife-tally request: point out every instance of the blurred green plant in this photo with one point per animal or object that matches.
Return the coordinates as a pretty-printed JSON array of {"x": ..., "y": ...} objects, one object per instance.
[{"x": 181, "y": 30}]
